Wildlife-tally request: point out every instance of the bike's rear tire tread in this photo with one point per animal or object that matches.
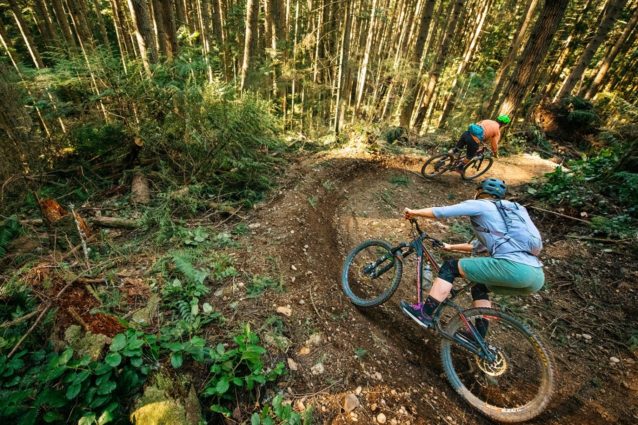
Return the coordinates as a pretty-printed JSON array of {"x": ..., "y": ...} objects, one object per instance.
[
  {"x": 430, "y": 160},
  {"x": 374, "y": 302},
  {"x": 490, "y": 161},
  {"x": 534, "y": 407}
]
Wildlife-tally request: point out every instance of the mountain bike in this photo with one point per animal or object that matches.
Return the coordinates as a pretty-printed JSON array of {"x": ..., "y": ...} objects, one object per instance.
[
  {"x": 439, "y": 164},
  {"x": 507, "y": 374}
]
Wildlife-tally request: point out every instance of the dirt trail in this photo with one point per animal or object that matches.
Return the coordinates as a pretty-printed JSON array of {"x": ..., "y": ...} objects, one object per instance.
[{"x": 328, "y": 204}]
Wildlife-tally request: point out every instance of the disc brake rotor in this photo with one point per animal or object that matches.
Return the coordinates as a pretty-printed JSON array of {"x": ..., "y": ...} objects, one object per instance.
[{"x": 496, "y": 368}]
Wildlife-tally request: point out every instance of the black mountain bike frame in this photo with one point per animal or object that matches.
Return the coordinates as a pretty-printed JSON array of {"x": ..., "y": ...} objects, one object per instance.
[{"x": 478, "y": 345}]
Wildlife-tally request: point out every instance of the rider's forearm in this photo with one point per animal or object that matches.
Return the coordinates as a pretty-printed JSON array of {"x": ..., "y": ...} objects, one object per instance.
[
  {"x": 461, "y": 247},
  {"x": 424, "y": 212}
]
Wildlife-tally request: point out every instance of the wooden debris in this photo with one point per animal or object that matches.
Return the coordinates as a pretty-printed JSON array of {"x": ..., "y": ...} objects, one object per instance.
[{"x": 140, "y": 193}]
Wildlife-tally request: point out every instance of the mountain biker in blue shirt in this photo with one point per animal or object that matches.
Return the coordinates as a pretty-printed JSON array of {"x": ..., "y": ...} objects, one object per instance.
[{"x": 505, "y": 231}]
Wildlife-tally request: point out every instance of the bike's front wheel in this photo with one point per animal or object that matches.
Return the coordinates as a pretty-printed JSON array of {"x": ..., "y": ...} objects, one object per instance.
[
  {"x": 436, "y": 165},
  {"x": 516, "y": 384},
  {"x": 477, "y": 167},
  {"x": 371, "y": 273}
]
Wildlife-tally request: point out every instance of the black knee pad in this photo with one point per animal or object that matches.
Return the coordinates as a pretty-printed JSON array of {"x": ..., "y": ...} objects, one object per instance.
[
  {"x": 480, "y": 292},
  {"x": 449, "y": 270}
]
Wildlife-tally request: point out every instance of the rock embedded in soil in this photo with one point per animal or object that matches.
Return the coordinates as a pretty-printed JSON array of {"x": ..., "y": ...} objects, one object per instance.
[
  {"x": 285, "y": 310},
  {"x": 317, "y": 369},
  {"x": 381, "y": 418},
  {"x": 292, "y": 365},
  {"x": 350, "y": 402}
]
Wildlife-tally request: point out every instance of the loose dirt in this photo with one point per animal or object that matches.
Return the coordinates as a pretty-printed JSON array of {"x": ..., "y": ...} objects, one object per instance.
[{"x": 329, "y": 203}]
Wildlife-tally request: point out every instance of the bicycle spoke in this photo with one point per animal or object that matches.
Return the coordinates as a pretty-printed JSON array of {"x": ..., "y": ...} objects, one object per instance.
[{"x": 512, "y": 381}]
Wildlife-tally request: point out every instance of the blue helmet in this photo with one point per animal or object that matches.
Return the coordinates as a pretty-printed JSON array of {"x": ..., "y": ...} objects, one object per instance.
[
  {"x": 494, "y": 187},
  {"x": 477, "y": 131}
]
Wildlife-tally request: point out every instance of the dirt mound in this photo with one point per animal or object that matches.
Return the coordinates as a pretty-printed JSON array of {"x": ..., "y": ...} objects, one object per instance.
[{"x": 328, "y": 204}]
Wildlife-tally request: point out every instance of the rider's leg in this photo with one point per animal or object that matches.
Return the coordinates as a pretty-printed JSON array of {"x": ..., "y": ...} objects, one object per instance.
[
  {"x": 422, "y": 313},
  {"x": 481, "y": 298}
]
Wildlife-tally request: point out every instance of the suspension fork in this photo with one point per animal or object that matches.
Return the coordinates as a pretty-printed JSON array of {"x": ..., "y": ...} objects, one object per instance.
[{"x": 478, "y": 347}]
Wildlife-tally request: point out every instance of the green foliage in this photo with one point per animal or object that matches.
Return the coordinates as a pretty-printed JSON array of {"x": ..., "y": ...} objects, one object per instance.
[
  {"x": 51, "y": 387},
  {"x": 239, "y": 369},
  {"x": 93, "y": 139},
  {"x": 260, "y": 284},
  {"x": 360, "y": 353},
  {"x": 619, "y": 226},
  {"x": 400, "y": 180},
  {"x": 9, "y": 230},
  {"x": 183, "y": 293},
  {"x": 279, "y": 412},
  {"x": 393, "y": 134}
]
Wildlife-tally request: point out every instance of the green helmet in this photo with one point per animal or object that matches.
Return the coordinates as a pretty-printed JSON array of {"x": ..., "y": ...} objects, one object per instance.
[
  {"x": 503, "y": 119},
  {"x": 494, "y": 187}
]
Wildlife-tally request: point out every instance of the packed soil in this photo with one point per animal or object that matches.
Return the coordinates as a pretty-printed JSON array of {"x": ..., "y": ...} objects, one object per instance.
[{"x": 328, "y": 203}]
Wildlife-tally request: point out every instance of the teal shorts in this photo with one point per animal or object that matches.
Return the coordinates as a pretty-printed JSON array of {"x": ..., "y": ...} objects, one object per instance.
[{"x": 503, "y": 277}]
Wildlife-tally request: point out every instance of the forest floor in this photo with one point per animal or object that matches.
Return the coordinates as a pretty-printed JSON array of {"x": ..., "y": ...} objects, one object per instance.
[
  {"x": 325, "y": 204},
  {"x": 331, "y": 202}
]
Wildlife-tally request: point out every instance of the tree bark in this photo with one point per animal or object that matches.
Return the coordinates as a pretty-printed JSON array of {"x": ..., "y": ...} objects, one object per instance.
[
  {"x": 64, "y": 23},
  {"x": 539, "y": 42},
  {"x": 252, "y": 14},
  {"x": 26, "y": 34},
  {"x": 343, "y": 64},
  {"x": 522, "y": 29},
  {"x": 164, "y": 43},
  {"x": 439, "y": 64},
  {"x": 101, "y": 25},
  {"x": 610, "y": 57},
  {"x": 614, "y": 7},
  {"x": 50, "y": 32},
  {"x": 361, "y": 82},
  {"x": 450, "y": 101},
  {"x": 417, "y": 56},
  {"x": 143, "y": 32}
]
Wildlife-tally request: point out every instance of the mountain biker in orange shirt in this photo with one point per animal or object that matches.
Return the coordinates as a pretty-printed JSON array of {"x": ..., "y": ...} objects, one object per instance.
[{"x": 481, "y": 132}]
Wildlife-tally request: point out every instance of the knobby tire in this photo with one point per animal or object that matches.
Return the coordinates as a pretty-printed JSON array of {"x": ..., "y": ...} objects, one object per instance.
[{"x": 353, "y": 279}]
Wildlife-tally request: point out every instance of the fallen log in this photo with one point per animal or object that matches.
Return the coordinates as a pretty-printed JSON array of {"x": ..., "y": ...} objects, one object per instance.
[{"x": 115, "y": 222}]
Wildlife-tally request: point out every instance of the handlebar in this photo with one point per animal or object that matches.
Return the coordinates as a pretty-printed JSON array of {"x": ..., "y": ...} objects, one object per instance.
[{"x": 435, "y": 242}]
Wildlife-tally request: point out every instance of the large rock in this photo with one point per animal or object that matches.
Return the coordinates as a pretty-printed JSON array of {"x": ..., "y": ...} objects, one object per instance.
[
  {"x": 161, "y": 405},
  {"x": 85, "y": 343}
]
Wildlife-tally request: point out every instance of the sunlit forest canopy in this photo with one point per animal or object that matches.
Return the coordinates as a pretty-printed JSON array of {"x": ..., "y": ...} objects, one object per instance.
[{"x": 164, "y": 186}]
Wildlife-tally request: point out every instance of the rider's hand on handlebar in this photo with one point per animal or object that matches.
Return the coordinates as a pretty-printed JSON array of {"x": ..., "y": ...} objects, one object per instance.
[
  {"x": 447, "y": 246},
  {"x": 408, "y": 213}
]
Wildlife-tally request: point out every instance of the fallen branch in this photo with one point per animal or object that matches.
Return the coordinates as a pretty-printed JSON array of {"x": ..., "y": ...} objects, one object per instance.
[
  {"x": 559, "y": 214},
  {"x": 76, "y": 316},
  {"x": 602, "y": 240},
  {"x": 44, "y": 311},
  {"x": 18, "y": 320},
  {"x": 27, "y": 333},
  {"x": 115, "y": 222}
]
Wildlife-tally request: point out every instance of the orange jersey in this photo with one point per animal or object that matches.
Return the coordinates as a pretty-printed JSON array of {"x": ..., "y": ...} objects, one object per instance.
[{"x": 492, "y": 133}]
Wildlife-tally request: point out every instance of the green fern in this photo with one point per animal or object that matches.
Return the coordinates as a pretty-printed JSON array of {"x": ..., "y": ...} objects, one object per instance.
[{"x": 9, "y": 230}]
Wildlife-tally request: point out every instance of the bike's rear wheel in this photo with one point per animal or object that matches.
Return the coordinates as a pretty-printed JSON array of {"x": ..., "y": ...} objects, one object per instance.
[
  {"x": 477, "y": 167},
  {"x": 371, "y": 273},
  {"x": 436, "y": 165},
  {"x": 518, "y": 385}
]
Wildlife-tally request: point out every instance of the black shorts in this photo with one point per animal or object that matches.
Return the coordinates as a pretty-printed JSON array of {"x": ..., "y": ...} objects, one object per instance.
[{"x": 466, "y": 140}]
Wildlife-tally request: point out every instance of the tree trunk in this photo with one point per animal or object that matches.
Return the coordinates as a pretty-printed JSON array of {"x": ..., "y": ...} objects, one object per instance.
[
  {"x": 50, "y": 32},
  {"x": 164, "y": 44},
  {"x": 170, "y": 27},
  {"x": 343, "y": 64},
  {"x": 451, "y": 99},
  {"x": 366, "y": 56},
  {"x": 77, "y": 10},
  {"x": 439, "y": 64},
  {"x": 522, "y": 29},
  {"x": 610, "y": 56},
  {"x": 101, "y": 25},
  {"x": 26, "y": 34},
  {"x": 119, "y": 34},
  {"x": 539, "y": 42},
  {"x": 143, "y": 32},
  {"x": 64, "y": 23},
  {"x": 613, "y": 9},
  {"x": 417, "y": 56},
  {"x": 571, "y": 43},
  {"x": 252, "y": 14}
]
